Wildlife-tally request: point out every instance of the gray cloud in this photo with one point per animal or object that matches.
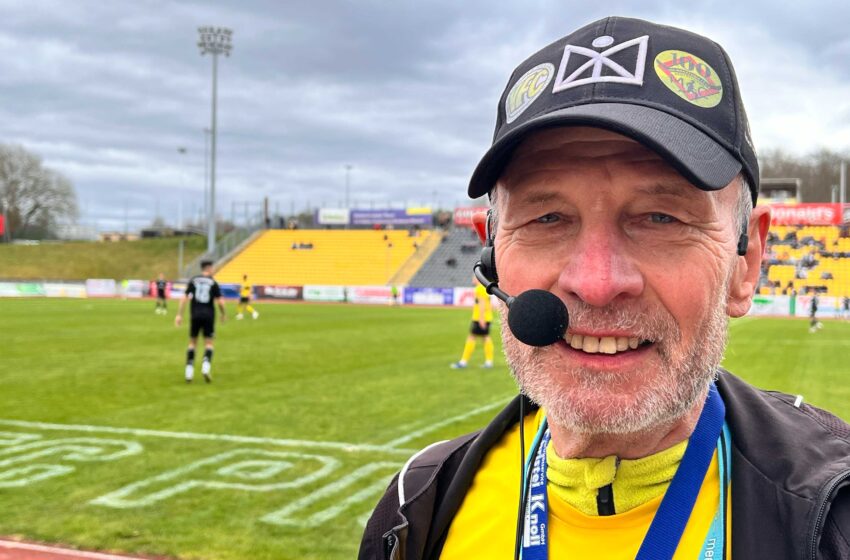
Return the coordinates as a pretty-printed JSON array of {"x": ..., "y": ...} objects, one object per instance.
[{"x": 404, "y": 92}]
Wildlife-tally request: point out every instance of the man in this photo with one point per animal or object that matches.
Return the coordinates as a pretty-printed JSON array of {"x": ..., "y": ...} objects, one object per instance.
[
  {"x": 245, "y": 300},
  {"x": 482, "y": 316},
  {"x": 621, "y": 182},
  {"x": 205, "y": 294},
  {"x": 161, "y": 285},
  {"x": 814, "y": 324}
]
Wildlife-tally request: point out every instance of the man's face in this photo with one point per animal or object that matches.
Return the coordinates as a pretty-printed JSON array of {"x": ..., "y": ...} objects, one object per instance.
[{"x": 645, "y": 262}]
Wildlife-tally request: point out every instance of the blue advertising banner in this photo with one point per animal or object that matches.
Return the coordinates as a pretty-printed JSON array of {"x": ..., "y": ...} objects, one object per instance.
[
  {"x": 230, "y": 291},
  {"x": 428, "y": 296},
  {"x": 408, "y": 217}
]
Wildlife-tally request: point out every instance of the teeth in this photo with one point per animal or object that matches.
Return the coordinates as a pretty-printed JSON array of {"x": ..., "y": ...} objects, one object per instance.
[
  {"x": 603, "y": 345},
  {"x": 576, "y": 341},
  {"x": 590, "y": 344}
]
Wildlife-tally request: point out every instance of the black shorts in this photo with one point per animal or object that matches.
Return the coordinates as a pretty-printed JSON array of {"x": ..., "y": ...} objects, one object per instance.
[
  {"x": 244, "y": 300},
  {"x": 160, "y": 294},
  {"x": 475, "y": 329},
  {"x": 202, "y": 324}
]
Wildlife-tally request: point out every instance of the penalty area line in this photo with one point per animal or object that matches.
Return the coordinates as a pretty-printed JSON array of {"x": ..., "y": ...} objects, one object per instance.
[
  {"x": 335, "y": 445},
  {"x": 442, "y": 423}
]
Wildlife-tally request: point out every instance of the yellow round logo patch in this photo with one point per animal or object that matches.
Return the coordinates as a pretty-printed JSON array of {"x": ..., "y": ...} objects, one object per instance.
[{"x": 689, "y": 77}]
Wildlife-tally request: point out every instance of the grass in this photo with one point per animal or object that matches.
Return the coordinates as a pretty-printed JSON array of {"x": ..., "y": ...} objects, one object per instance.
[
  {"x": 303, "y": 387},
  {"x": 79, "y": 260}
]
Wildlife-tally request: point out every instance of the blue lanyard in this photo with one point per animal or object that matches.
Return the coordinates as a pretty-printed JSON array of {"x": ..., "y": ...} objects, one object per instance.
[{"x": 669, "y": 523}]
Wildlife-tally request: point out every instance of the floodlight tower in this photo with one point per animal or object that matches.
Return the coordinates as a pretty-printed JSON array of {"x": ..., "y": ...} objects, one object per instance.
[{"x": 214, "y": 41}]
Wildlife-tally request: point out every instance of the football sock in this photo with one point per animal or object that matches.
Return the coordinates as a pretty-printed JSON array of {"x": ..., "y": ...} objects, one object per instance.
[
  {"x": 249, "y": 309},
  {"x": 190, "y": 356},
  {"x": 488, "y": 349},
  {"x": 208, "y": 355},
  {"x": 468, "y": 348}
]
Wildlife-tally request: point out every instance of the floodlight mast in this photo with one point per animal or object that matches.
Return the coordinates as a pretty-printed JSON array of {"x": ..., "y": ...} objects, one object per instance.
[{"x": 213, "y": 41}]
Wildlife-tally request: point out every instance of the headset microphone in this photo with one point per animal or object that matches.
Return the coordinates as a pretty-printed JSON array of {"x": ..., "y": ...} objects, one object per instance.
[{"x": 535, "y": 317}]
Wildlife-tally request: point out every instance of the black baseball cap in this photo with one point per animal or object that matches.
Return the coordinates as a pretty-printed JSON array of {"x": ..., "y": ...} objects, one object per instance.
[{"x": 671, "y": 90}]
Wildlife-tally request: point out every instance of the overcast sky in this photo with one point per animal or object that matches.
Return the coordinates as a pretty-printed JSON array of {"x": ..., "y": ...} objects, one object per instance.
[{"x": 404, "y": 92}]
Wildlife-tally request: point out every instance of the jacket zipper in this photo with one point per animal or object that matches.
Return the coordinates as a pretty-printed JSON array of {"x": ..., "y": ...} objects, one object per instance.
[
  {"x": 833, "y": 484},
  {"x": 605, "y": 500}
]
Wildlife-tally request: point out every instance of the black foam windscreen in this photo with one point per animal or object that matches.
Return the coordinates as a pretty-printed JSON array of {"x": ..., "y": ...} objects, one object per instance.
[{"x": 538, "y": 318}]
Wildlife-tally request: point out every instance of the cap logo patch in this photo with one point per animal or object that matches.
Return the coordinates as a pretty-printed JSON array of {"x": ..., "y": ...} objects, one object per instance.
[
  {"x": 591, "y": 71},
  {"x": 689, "y": 77},
  {"x": 527, "y": 89}
]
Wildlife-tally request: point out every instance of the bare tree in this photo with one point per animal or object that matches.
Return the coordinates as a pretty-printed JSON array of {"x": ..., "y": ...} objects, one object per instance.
[
  {"x": 33, "y": 197},
  {"x": 818, "y": 170}
]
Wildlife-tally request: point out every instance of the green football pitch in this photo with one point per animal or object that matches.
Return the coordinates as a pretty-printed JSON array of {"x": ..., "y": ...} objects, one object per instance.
[{"x": 312, "y": 408}]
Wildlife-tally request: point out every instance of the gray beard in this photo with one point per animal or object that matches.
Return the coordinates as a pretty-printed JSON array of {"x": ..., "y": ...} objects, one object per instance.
[{"x": 684, "y": 375}]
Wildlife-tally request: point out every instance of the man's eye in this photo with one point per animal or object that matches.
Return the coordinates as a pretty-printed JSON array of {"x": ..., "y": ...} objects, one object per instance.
[
  {"x": 547, "y": 219},
  {"x": 657, "y": 218}
]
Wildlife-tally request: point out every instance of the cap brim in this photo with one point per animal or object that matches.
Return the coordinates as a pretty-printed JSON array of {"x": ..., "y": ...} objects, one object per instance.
[{"x": 699, "y": 158}]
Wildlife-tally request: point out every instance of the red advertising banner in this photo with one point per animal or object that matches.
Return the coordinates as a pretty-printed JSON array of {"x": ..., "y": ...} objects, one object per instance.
[
  {"x": 2, "y": 224},
  {"x": 463, "y": 216},
  {"x": 807, "y": 214}
]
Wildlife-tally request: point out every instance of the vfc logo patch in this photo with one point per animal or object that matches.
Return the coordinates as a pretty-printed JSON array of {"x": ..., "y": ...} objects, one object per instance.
[
  {"x": 689, "y": 77},
  {"x": 600, "y": 67},
  {"x": 527, "y": 89}
]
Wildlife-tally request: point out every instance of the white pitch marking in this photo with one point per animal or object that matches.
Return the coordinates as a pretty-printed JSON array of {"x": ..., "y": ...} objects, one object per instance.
[
  {"x": 24, "y": 476},
  {"x": 67, "y": 449},
  {"x": 77, "y": 449},
  {"x": 283, "y": 516},
  {"x": 349, "y": 447},
  {"x": 448, "y": 421},
  {"x": 118, "y": 498},
  {"x": 16, "y": 438},
  {"x": 14, "y": 545}
]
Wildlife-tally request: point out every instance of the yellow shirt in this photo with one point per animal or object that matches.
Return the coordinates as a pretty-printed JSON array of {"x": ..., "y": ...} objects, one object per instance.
[
  {"x": 485, "y": 525},
  {"x": 482, "y": 295},
  {"x": 245, "y": 291}
]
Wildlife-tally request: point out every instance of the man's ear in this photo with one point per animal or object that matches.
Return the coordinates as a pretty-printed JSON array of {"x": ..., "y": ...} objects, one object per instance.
[
  {"x": 744, "y": 281},
  {"x": 479, "y": 223}
]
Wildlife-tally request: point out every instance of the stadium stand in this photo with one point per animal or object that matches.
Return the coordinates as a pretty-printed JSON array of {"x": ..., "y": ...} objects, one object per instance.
[
  {"x": 334, "y": 257},
  {"x": 451, "y": 264},
  {"x": 805, "y": 259}
]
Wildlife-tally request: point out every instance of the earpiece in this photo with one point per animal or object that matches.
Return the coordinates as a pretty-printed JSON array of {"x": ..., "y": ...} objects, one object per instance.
[
  {"x": 743, "y": 241},
  {"x": 488, "y": 252}
]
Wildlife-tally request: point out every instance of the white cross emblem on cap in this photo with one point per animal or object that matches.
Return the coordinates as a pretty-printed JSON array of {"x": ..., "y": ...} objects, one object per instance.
[{"x": 599, "y": 59}]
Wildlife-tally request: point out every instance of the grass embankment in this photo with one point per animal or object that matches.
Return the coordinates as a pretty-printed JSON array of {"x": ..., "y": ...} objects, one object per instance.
[{"x": 78, "y": 260}]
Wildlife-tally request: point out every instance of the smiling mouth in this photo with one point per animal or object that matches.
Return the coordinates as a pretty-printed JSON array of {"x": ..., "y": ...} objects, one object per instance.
[{"x": 604, "y": 344}]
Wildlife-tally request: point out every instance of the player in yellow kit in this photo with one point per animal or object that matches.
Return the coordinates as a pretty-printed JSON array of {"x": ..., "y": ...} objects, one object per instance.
[
  {"x": 245, "y": 299},
  {"x": 482, "y": 316}
]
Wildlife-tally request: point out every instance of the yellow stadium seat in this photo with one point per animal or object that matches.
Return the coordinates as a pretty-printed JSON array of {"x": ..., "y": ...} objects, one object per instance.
[{"x": 337, "y": 257}]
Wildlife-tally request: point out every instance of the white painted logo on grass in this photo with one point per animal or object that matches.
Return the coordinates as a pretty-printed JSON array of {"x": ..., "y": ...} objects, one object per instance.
[
  {"x": 231, "y": 470},
  {"x": 26, "y": 462}
]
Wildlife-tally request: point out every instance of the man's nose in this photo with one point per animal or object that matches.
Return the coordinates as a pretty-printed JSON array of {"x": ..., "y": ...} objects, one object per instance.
[{"x": 599, "y": 269}]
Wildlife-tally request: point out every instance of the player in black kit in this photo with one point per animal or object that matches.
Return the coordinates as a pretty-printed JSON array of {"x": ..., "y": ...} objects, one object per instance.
[
  {"x": 161, "y": 285},
  {"x": 205, "y": 294}
]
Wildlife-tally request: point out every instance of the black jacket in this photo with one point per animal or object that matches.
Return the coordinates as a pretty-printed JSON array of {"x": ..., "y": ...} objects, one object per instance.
[{"x": 790, "y": 483}]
